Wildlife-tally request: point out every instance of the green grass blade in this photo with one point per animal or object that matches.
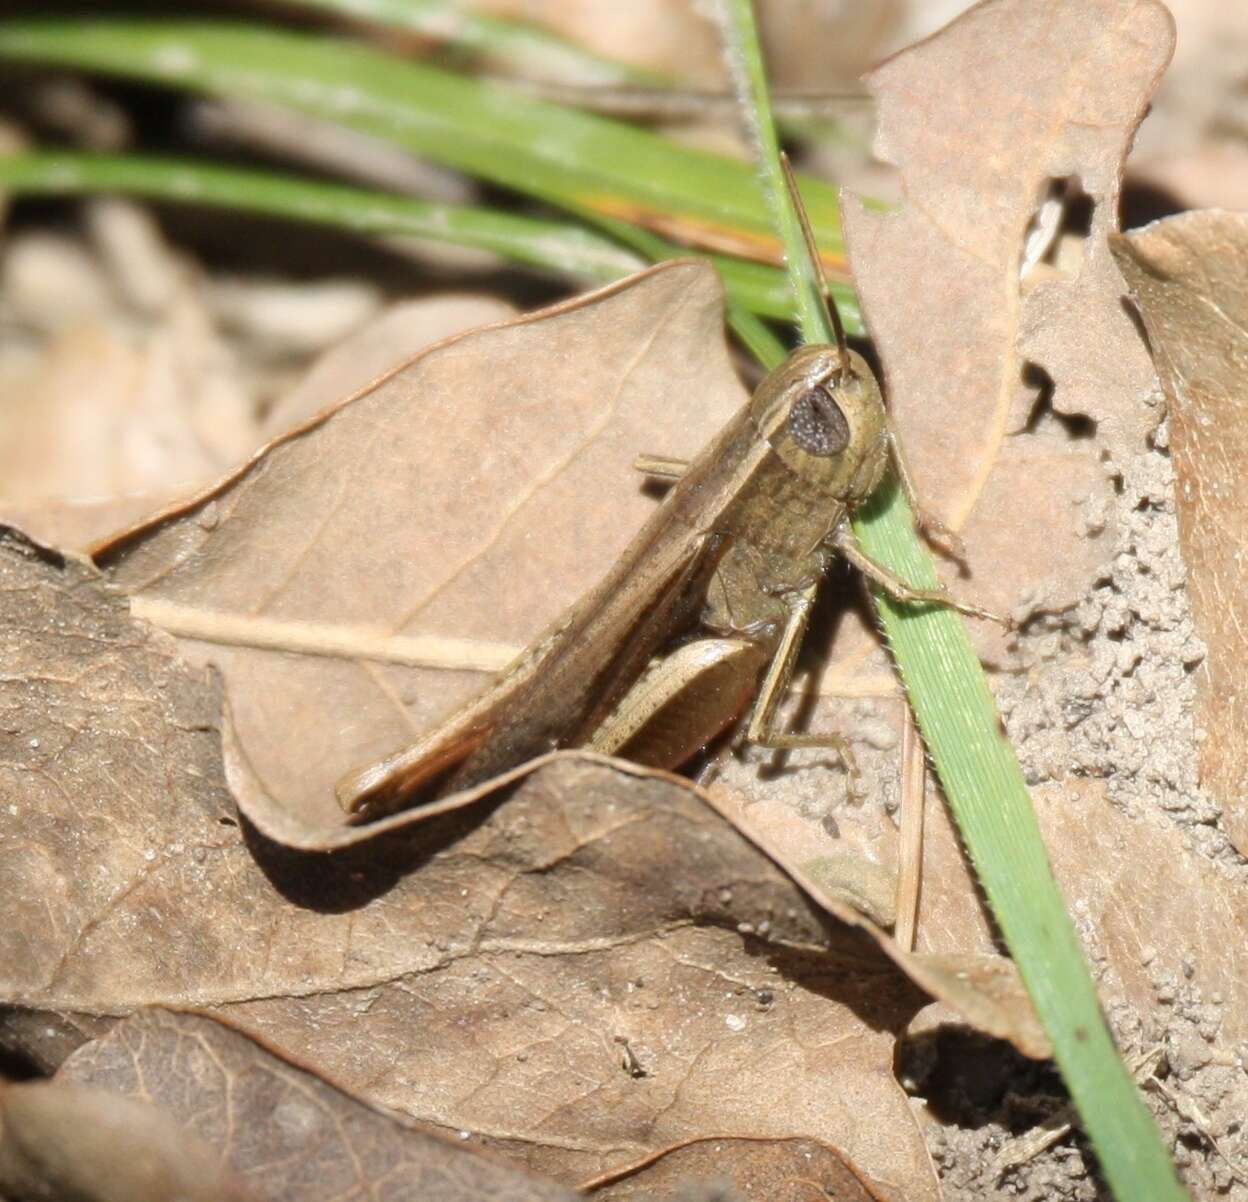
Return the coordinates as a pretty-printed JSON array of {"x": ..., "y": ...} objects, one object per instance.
[
  {"x": 565, "y": 248},
  {"x": 560, "y": 246},
  {"x": 986, "y": 791},
  {"x": 746, "y": 60},
  {"x": 562, "y": 156},
  {"x": 548, "y": 63},
  {"x": 984, "y": 785},
  {"x": 756, "y": 336}
]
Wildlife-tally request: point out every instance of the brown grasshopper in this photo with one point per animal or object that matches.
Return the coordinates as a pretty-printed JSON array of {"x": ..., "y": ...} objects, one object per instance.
[{"x": 703, "y": 611}]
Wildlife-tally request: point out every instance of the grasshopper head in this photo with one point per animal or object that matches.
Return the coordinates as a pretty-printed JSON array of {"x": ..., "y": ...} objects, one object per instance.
[{"x": 828, "y": 426}]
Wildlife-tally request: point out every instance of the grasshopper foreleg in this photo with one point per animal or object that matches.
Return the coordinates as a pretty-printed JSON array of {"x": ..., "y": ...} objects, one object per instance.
[{"x": 898, "y": 589}]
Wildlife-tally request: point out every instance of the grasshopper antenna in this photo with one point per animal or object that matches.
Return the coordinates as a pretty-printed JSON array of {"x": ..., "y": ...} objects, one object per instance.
[{"x": 812, "y": 250}]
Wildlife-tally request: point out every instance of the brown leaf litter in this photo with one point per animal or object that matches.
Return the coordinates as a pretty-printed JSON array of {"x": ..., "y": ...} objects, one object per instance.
[
  {"x": 285, "y": 1132},
  {"x": 570, "y": 920},
  {"x": 121, "y": 391},
  {"x": 1162, "y": 927},
  {"x": 448, "y": 970},
  {"x": 132, "y": 397},
  {"x": 394, "y": 336}
]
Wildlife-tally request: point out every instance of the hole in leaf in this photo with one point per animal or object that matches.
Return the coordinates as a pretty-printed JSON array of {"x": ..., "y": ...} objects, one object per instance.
[
  {"x": 1053, "y": 246},
  {"x": 1044, "y": 419}
]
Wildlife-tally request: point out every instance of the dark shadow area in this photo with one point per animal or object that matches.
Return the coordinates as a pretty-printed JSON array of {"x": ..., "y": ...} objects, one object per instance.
[
  {"x": 34, "y": 1043},
  {"x": 851, "y": 972},
  {"x": 1141, "y": 203},
  {"x": 969, "y": 1079},
  {"x": 866, "y": 348},
  {"x": 1128, "y": 307},
  {"x": 16, "y": 1063},
  {"x": 168, "y": 122},
  {"x": 339, "y": 881}
]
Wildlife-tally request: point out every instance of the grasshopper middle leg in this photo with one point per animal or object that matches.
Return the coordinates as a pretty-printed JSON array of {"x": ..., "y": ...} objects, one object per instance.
[{"x": 761, "y": 727}]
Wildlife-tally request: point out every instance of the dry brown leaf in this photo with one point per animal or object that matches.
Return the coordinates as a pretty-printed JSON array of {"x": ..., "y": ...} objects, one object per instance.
[
  {"x": 235, "y": 564},
  {"x": 984, "y": 989},
  {"x": 977, "y": 132},
  {"x": 101, "y": 722},
  {"x": 77, "y": 525},
  {"x": 78, "y": 1144},
  {"x": 285, "y": 1132},
  {"x": 1189, "y": 280},
  {"x": 98, "y": 418},
  {"x": 92, "y": 444},
  {"x": 778, "y": 1170},
  {"x": 390, "y": 338},
  {"x": 472, "y": 495},
  {"x": 1152, "y": 909},
  {"x": 488, "y": 978}
]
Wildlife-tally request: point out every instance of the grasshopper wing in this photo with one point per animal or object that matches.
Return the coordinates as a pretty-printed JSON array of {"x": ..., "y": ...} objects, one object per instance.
[{"x": 560, "y": 688}]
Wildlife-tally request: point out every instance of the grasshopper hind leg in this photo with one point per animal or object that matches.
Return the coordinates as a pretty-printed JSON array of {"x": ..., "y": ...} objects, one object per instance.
[{"x": 686, "y": 699}]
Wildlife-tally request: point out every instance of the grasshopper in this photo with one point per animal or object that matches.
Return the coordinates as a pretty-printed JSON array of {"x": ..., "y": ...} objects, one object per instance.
[{"x": 704, "y": 611}]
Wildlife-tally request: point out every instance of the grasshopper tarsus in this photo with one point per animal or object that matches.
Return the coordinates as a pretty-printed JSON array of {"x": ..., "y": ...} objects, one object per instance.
[
  {"x": 825, "y": 741},
  {"x": 943, "y": 538},
  {"x": 761, "y": 727}
]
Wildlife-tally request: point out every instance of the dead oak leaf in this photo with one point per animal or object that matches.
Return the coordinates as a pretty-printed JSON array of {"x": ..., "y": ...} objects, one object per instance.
[
  {"x": 98, "y": 434},
  {"x": 470, "y": 496},
  {"x": 488, "y": 977},
  {"x": 1187, "y": 278},
  {"x": 285, "y": 1132},
  {"x": 101, "y": 723},
  {"x": 979, "y": 119}
]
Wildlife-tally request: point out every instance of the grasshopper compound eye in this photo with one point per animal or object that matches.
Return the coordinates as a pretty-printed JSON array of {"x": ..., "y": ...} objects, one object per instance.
[{"x": 817, "y": 424}]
